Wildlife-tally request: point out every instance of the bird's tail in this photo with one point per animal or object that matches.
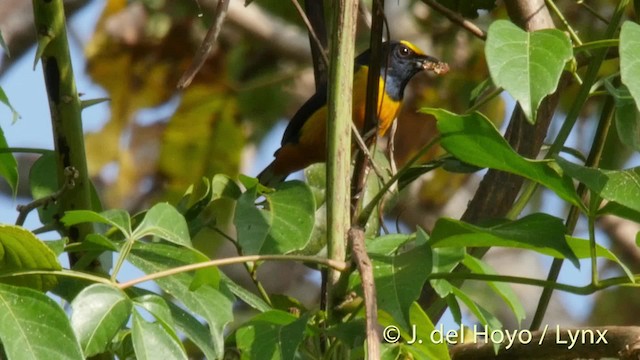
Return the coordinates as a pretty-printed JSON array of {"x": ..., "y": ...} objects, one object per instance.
[{"x": 270, "y": 177}]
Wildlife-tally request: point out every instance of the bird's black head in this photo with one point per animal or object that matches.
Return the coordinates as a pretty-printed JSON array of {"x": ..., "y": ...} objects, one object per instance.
[{"x": 401, "y": 61}]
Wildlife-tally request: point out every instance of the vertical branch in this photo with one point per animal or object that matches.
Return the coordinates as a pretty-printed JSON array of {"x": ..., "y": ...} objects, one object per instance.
[
  {"x": 65, "y": 107},
  {"x": 498, "y": 190},
  {"x": 339, "y": 136},
  {"x": 371, "y": 107}
]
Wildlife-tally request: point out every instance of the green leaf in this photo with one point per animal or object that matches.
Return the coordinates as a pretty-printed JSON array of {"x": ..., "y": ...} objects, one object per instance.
[
  {"x": 97, "y": 314},
  {"x": 273, "y": 334},
  {"x": 540, "y": 232},
  {"x": 8, "y": 164},
  {"x": 630, "y": 58},
  {"x": 388, "y": 244},
  {"x": 165, "y": 222},
  {"x": 483, "y": 315},
  {"x": 621, "y": 186},
  {"x": 416, "y": 339},
  {"x": 526, "y": 64},
  {"x": 224, "y": 186},
  {"x": 117, "y": 218},
  {"x": 42, "y": 184},
  {"x": 582, "y": 249},
  {"x": 158, "y": 307},
  {"x": 245, "y": 295},
  {"x": 33, "y": 326},
  {"x": 475, "y": 140},
  {"x": 184, "y": 321},
  {"x": 626, "y": 119},
  {"x": 5, "y": 100},
  {"x": 399, "y": 280},
  {"x": 503, "y": 290},
  {"x": 444, "y": 260},
  {"x": 612, "y": 208},
  {"x": 187, "y": 324},
  {"x": 285, "y": 226},
  {"x": 21, "y": 250},
  {"x": 214, "y": 305},
  {"x": 152, "y": 341}
]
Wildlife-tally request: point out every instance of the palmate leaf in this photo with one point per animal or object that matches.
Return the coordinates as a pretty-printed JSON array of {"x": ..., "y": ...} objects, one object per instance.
[
  {"x": 98, "y": 313},
  {"x": 165, "y": 222},
  {"x": 21, "y": 250},
  {"x": 422, "y": 328},
  {"x": 399, "y": 280},
  {"x": 33, "y": 326},
  {"x": 273, "y": 334},
  {"x": 527, "y": 64},
  {"x": 284, "y": 227},
  {"x": 152, "y": 341},
  {"x": 213, "y": 304}
]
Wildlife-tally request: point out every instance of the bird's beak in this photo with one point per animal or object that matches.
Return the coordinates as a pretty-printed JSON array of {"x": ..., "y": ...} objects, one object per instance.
[{"x": 433, "y": 64}]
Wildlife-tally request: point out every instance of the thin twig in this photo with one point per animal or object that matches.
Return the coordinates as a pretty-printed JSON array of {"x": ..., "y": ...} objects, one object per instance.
[
  {"x": 334, "y": 264},
  {"x": 457, "y": 18},
  {"x": 71, "y": 174},
  {"x": 206, "y": 46},
  {"x": 252, "y": 271},
  {"x": 363, "y": 262},
  {"x": 363, "y": 147},
  {"x": 312, "y": 31},
  {"x": 552, "y": 5}
]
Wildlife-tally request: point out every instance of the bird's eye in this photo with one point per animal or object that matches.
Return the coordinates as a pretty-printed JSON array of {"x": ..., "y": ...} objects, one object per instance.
[{"x": 404, "y": 51}]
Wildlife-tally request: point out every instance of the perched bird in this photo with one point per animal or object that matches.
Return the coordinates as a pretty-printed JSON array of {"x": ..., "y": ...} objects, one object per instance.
[{"x": 304, "y": 140}]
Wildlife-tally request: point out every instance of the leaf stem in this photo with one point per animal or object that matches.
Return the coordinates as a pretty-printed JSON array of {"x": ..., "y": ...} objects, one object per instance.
[
  {"x": 340, "y": 266},
  {"x": 572, "y": 33}
]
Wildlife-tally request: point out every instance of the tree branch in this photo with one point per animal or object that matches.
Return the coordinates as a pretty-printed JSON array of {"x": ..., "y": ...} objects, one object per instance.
[{"x": 554, "y": 343}]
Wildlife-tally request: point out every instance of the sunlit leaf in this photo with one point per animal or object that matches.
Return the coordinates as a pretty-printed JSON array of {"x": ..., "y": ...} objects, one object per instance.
[
  {"x": 416, "y": 338},
  {"x": 271, "y": 335},
  {"x": 97, "y": 314},
  {"x": 115, "y": 217},
  {"x": 214, "y": 305},
  {"x": 527, "y": 64},
  {"x": 34, "y": 326},
  {"x": 540, "y": 232},
  {"x": 621, "y": 186},
  {"x": 630, "y": 58},
  {"x": 152, "y": 341},
  {"x": 286, "y": 225},
  {"x": 165, "y": 222},
  {"x": 503, "y": 290},
  {"x": 20, "y": 250},
  {"x": 582, "y": 249},
  {"x": 399, "y": 280},
  {"x": 475, "y": 140}
]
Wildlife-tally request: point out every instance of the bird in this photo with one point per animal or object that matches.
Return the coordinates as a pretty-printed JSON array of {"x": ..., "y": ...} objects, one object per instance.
[{"x": 304, "y": 140}]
